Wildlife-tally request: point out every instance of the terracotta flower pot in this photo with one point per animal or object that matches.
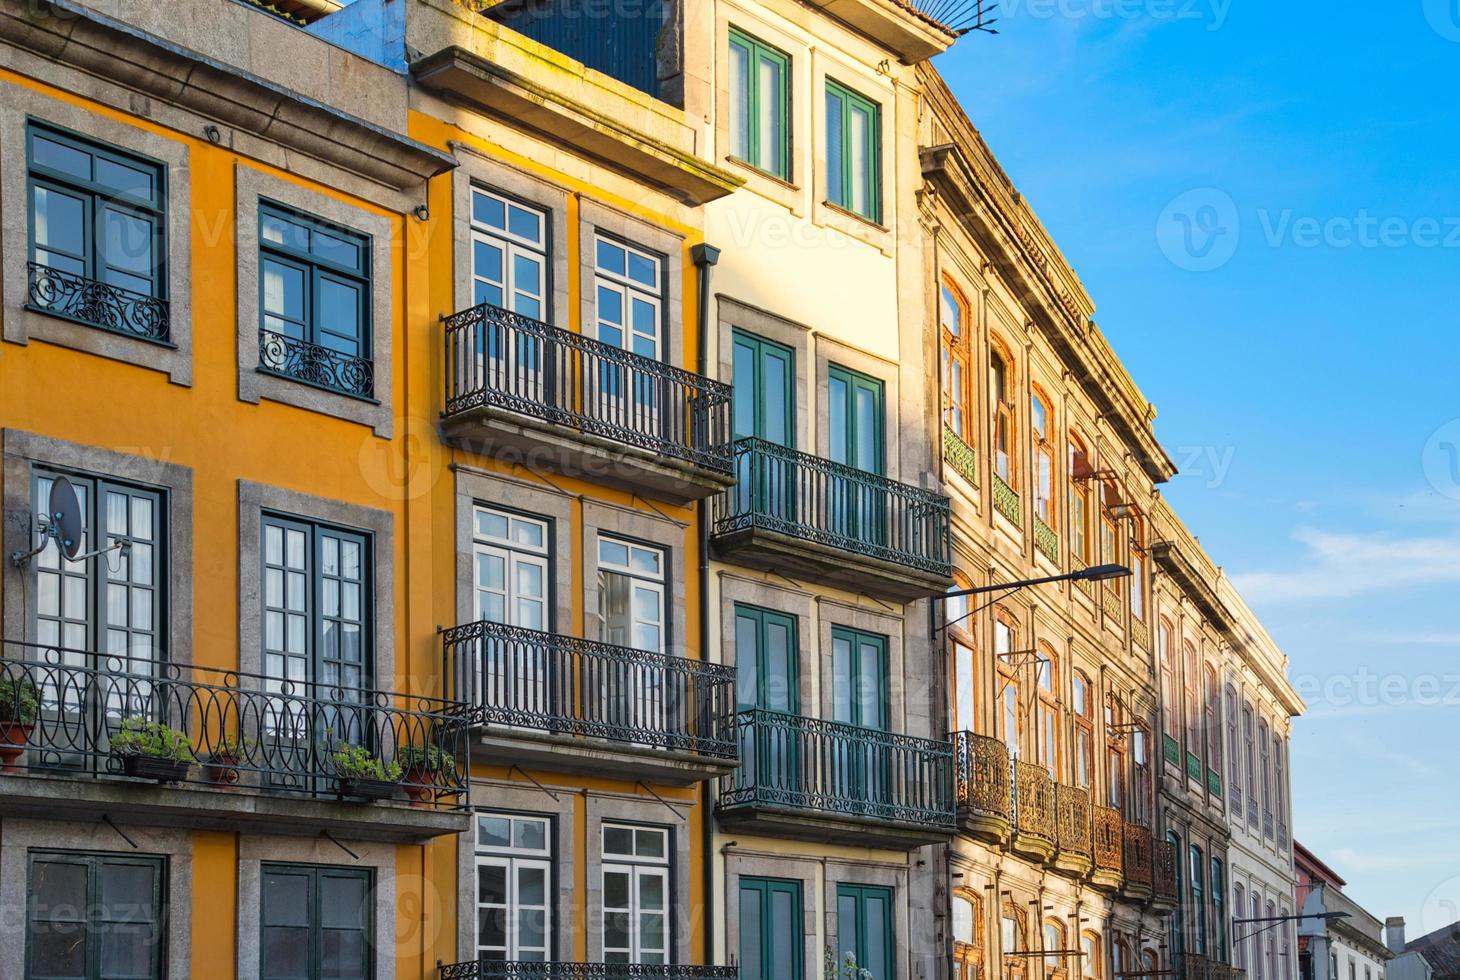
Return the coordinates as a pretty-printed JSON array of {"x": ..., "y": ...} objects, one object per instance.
[
  {"x": 13, "y": 738},
  {"x": 222, "y": 770},
  {"x": 420, "y": 784}
]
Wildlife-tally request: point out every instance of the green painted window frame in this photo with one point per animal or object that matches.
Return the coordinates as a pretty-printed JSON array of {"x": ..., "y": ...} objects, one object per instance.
[
  {"x": 859, "y": 894},
  {"x": 856, "y": 381},
  {"x": 773, "y": 932},
  {"x": 89, "y": 917},
  {"x": 757, "y": 52},
  {"x": 754, "y": 387},
  {"x": 855, "y": 638},
  {"x": 846, "y": 100},
  {"x": 762, "y": 618},
  {"x": 315, "y": 927}
]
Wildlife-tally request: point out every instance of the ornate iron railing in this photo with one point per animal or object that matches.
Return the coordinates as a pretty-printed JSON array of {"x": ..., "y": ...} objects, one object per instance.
[
  {"x": 1072, "y": 822},
  {"x": 1034, "y": 801},
  {"x": 1268, "y": 828},
  {"x": 1214, "y": 783},
  {"x": 61, "y": 711},
  {"x": 1194, "y": 768},
  {"x": 1171, "y": 749},
  {"x": 814, "y": 499},
  {"x": 1140, "y": 632},
  {"x": 1282, "y": 834},
  {"x": 500, "y": 359},
  {"x": 317, "y": 365},
  {"x": 1164, "y": 867},
  {"x": 960, "y": 455},
  {"x": 1194, "y": 966},
  {"x": 1084, "y": 584},
  {"x": 520, "y": 678},
  {"x": 1006, "y": 501},
  {"x": 1046, "y": 540},
  {"x": 1138, "y": 868},
  {"x": 1110, "y": 601},
  {"x": 981, "y": 769},
  {"x": 1109, "y": 840},
  {"x": 1252, "y": 809},
  {"x": 829, "y": 767},
  {"x": 98, "y": 304},
  {"x": 512, "y": 970}
]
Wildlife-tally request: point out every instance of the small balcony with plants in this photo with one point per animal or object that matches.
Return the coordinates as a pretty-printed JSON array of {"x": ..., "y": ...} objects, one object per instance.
[
  {"x": 566, "y": 403},
  {"x": 811, "y": 779},
  {"x": 86, "y": 734},
  {"x": 812, "y": 519},
  {"x": 572, "y": 705}
]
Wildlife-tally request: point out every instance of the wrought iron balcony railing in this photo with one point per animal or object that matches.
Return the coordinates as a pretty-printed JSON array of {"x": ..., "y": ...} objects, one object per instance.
[
  {"x": 98, "y": 304},
  {"x": 499, "y": 359},
  {"x": 1140, "y": 633},
  {"x": 1072, "y": 820},
  {"x": 1046, "y": 540},
  {"x": 789, "y": 761},
  {"x": 1138, "y": 868},
  {"x": 317, "y": 365},
  {"x": 813, "y": 499},
  {"x": 514, "y": 970},
  {"x": 1164, "y": 875},
  {"x": 960, "y": 455},
  {"x": 1034, "y": 813},
  {"x": 513, "y": 677},
  {"x": 1006, "y": 501},
  {"x": 1194, "y": 966},
  {"x": 981, "y": 769},
  {"x": 62, "y": 712},
  {"x": 1109, "y": 840}
]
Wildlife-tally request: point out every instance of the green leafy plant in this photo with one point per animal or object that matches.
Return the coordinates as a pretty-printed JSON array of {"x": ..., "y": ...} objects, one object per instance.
[
  {"x": 358, "y": 762},
  {"x": 152, "y": 739},
  {"x": 428, "y": 758},
  {"x": 20, "y": 700}
]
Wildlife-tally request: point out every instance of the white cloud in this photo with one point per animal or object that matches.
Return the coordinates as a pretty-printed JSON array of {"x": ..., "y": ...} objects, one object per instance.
[{"x": 1340, "y": 566}]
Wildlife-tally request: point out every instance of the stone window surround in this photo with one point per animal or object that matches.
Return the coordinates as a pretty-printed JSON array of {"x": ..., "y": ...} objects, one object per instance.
[
  {"x": 255, "y": 851},
  {"x": 789, "y": 192},
  {"x": 24, "y": 450},
  {"x": 601, "y": 808},
  {"x": 251, "y": 185},
  {"x": 735, "y": 315},
  {"x": 832, "y": 613},
  {"x": 831, "y": 351},
  {"x": 475, "y": 487},
  {"x": 498, "y": 796},
  {"x": 802, "y": 869},
  {"x": 738, "y": 590},
  {"x": 477, "y": 170},
  {"x": 603, "y": 519},
  {"x": 594, "y": 217},
  {"x": 879, "y": 233},
  {"x": 21, "y": 836},
  {"x": 253, "y": 500},
  {"x": 22, "y": 325}
]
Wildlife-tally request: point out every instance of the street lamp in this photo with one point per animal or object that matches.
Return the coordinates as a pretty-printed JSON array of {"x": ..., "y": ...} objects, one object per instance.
[
  {"x": 1095, "y": 573},
  {"x": 1273, "y": 921}
]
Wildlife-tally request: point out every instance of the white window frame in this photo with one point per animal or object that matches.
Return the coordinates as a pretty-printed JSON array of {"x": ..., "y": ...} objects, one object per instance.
[
  {"x": 513, "y": 554},
  {"x": 513, "y": 247},
  {"x": 653, "y": 582},
  {"x": 629, "y": 290},
  {"x": 638, "y": 868},
  {"x": 514, "y": 858}
]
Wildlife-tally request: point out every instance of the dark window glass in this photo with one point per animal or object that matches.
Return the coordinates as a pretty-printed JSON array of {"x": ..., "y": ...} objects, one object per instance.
[
  {"x": 315, "y": 922},
  {"x": 94, "y": 917}
]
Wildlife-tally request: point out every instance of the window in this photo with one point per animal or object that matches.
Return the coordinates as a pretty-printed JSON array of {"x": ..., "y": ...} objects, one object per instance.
[
  {"x": 965, "y": 663},
  {"x": 1239, "y": 949},
  {"x": 1054, "y": 945},
  {"x": 957, "y": 373},
  {"x": 1110, "y": 535},
  {"x": 1084, "y": 732},
  {"x": 771, "y": 937},
  {"x": 1169, "y": 697},
  {"x": 1219, "y": 909},
  {"x": 514, "y": 864},
  {"x": 1198, "y": 898},
  {"x": 1010, "y": 723},
  {"x": 1013, "y": 938},
  {"x": 968, "y": 930},
  {"x": 97, "y": 215},
  {"x": 1251, "y": 753},
  {"x": 1140, "y": 810},
  {"x": 1041, "y": 423},
  {"x": 1115, "y": 754},
  {"x": 1213, "y": 720},
  {"x": 635, "y": 894},
  {"x": 1280, "y": 781},
  {"x": 1234, "y": 767},
  {"x": 864, "y": 928},
  {"x": 314, "y": 300},
  {"x": 631, "y": 594},
  {"x": 509, "y": 254},
  {"x": 511, "y": 568},
  {"x": 1258, "y": 960},
  {"x": 1177, "y": 942},
  {"x": 1001, "y": 394},
  {"x": 315, "y": 922},
  {"x": 856, "y": 438},
  {"x": 113, "y": 604},
  {"x": 1091, "y": 964},
  {"x": 859, "y": 678},
  {"x": 1080, "y": 505},
  {"x": 1264, "y": 768},
  {"x": 1138, "y": 571},
  {"x": 760, "y": 104},
  {"x": 316, "y": 607},
  {"x": 1191, "y": 678},
  {"x": 765, "y": 394},
  {"x": 1048, "y": 710},
  {"x": 629, "y": 285},
  {"x": 95, "y": 916},
  {"x": 853, "y": 152},
  {"x": 766, "y": 660}
]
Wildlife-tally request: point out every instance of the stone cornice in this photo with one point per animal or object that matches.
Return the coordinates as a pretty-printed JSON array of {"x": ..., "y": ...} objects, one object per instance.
[{"x": 71, "y": 34}]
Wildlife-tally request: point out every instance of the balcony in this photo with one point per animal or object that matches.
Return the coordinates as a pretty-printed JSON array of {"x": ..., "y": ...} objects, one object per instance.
[
  {"x": 1138, "y": 867},
  {"x": 86, "y": 736},
  {"x": 97, "y": 304},
  {"x": 1164, "y": 875},
  {"x": 982, "y": 787},
  {"x": 513, "y": 970},
  {"x": 563, "y": 402},
  {"x": 1034, "y": 815},
  {"x": 809, "y": 779},
  {"x": 1109, "y": 848},
  {"x": 1073, "y": 844},
  {"x": 1197, "y": 967},
  {"x": 809, "y": 518},
  {"x": 571, "y": 705},
  {"x": 960, "y": 456}
]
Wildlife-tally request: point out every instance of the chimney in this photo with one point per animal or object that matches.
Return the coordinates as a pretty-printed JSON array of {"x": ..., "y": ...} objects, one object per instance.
[{"x": 1394, "y": 933}]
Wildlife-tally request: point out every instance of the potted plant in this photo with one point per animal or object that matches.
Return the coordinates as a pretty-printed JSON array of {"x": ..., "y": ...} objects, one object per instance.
[
  {"x": 151, "y": 750},
  {"x": 365, "y": 775},
  {"x": 221, "y": 764},
  {"x": 425, "y": 766},
  {"x": 20, "y": 702}
]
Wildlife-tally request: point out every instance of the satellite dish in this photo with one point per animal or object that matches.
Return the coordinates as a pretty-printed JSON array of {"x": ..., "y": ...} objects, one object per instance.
[{"x": 65, "y": 517}]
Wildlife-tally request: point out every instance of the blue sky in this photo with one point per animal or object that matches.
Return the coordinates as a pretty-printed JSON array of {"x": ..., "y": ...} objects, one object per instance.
[{"x": 1263, "y": 200}]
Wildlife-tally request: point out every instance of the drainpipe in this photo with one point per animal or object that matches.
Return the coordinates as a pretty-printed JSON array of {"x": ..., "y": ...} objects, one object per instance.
[{"x": 705, "y": 256}]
